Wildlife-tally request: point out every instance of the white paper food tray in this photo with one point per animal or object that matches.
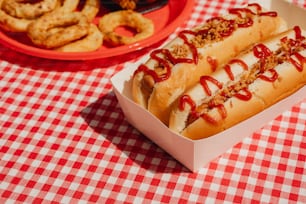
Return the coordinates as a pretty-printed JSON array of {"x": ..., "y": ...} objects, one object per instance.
[{"x": 194, "y": 154}]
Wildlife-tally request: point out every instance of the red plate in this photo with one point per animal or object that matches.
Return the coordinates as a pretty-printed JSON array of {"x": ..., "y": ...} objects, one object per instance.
[{"x": 166, "y": 20}]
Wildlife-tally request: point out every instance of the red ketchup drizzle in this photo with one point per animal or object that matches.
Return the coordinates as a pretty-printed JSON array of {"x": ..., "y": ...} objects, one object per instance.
[
  {"x": 212, "y": 62},
  {"x": 298, "y": 33},
  {"x": 210, "y": 119},
  {"x": 272, "y": 78},
  {"x": 155, "y": 55},
  {"x": 155, "y": 76},
  {"x": 238, "y": 11},
  {"x": 186, "y": 99},
  {"x": 259, "y": 10},
  {"x": 228, "y": 69},
  {"x": 257, "y": 6},
  {"x": 247, "y": 95},
  {"x": 271, "y": 14},
  {"x": 193, "y": 48},
  {"x": 299, "y": 37},
  {"x": 301, "y": 60},
  {"x": 262, "y": 52},
  {"x": 169, "y": 56},
  {"x": 203, "y": 82}
]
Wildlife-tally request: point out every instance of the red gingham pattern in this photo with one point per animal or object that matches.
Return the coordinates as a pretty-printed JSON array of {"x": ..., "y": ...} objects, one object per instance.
[{"x": 64, "y": 139}]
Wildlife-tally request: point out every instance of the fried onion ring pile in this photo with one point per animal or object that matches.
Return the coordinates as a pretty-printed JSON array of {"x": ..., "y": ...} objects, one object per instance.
[
  {"x": 109, "y": 22},
  {"x": 70, "y": 25}
]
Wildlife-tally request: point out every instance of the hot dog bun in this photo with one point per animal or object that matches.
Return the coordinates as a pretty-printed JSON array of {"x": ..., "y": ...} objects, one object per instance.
[
  {"x": 268, "y": 72},
  {"x": 177, "y": 66}
]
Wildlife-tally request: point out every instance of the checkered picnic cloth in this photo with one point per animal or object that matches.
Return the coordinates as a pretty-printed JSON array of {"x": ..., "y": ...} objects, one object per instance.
[{"x": 64, "y": 139}]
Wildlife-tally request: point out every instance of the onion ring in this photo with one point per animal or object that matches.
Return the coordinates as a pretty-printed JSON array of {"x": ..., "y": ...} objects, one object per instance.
[
  {"x": 26, "y": 10},
  {"x": 91, "y": 42},
  {"x": 109, "y": 22},
  {"x": 58, "y": 28}
]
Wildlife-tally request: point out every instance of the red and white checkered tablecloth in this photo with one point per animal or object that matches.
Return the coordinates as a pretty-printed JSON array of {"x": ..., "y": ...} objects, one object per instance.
[{"x": 64, "y": 139}]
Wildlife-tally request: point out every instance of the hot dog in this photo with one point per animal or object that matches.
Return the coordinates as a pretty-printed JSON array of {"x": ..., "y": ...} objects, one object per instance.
[
  {"x": 171, "y": 70},
  {"x": 268, "y": 72}
]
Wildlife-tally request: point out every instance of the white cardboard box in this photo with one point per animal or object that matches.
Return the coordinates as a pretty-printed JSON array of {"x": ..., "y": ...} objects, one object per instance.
[{"x": 194, "y": 154}]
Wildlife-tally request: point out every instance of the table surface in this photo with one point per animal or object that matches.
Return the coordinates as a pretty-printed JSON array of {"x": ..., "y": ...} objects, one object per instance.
[{"x": 64, "y": 139}]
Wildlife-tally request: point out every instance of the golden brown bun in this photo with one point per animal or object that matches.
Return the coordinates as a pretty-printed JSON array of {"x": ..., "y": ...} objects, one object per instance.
[
  {"x": 264, "y": 94},
  {"x": 160, "y": 98}
]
